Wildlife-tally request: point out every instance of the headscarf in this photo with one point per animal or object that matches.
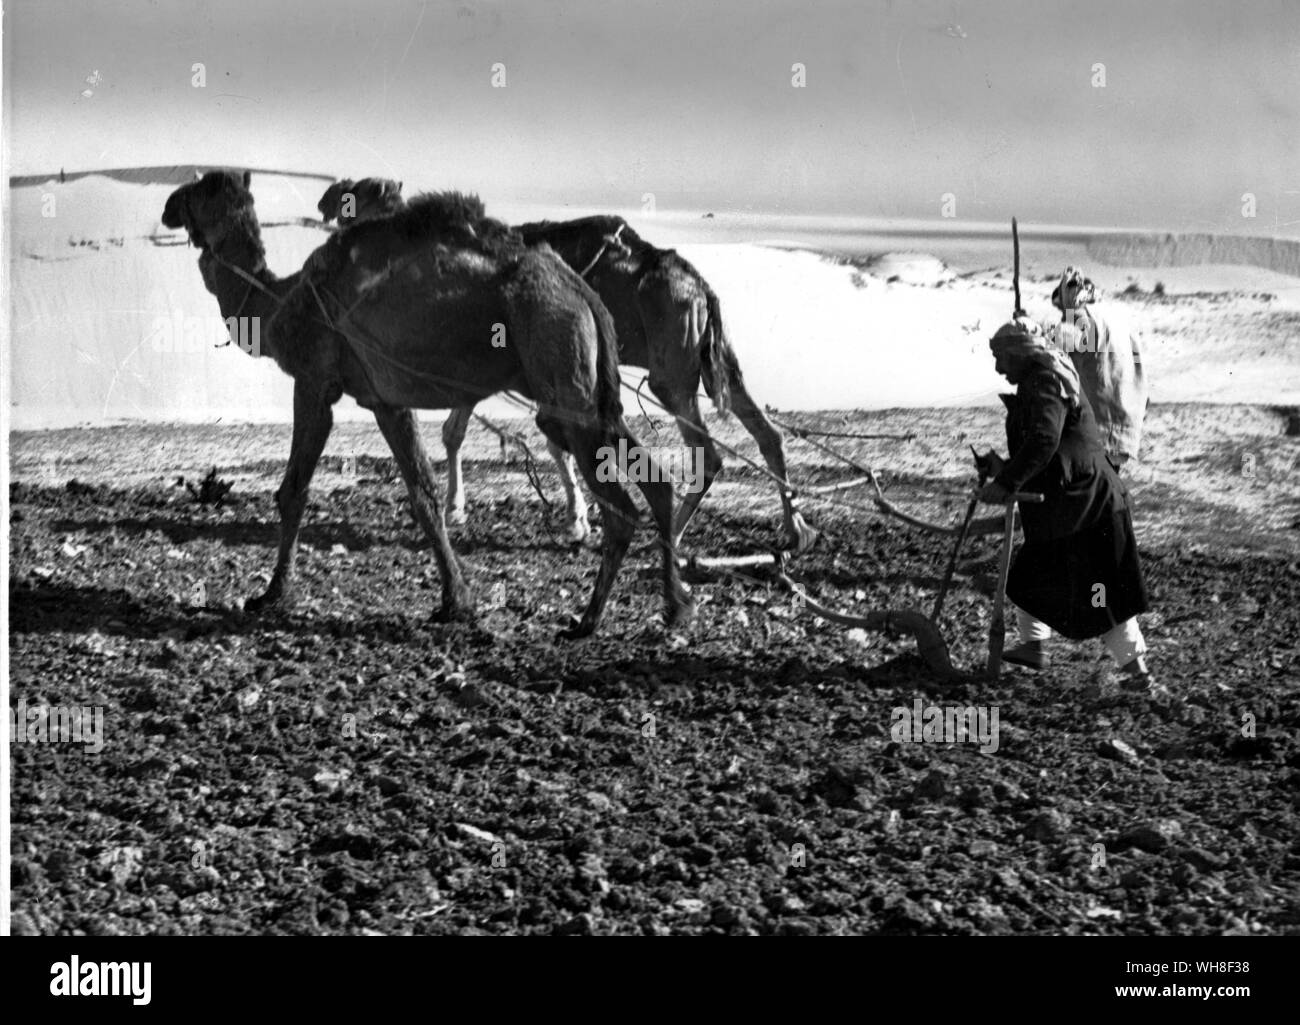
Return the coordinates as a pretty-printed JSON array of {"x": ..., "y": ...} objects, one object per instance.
[
  {"x": 1085, "y": 290},
  {"x": 1023, "y": 339}
]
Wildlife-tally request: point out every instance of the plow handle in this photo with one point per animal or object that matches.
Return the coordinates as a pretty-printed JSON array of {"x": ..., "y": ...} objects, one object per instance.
[
  {"x": 956, "y": 551},
  {"x": 998, "y": 624}
]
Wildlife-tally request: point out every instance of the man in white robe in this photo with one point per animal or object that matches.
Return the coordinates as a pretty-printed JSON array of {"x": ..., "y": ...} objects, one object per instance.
[{"x": 1107, "y": 353}]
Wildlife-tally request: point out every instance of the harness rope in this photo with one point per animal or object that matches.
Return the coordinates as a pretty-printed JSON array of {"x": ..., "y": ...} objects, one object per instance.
[
  {"x": 608, "y": 241},
  {"x": 238, "y": 312},
  {"x": 530, "y": 463},
  {"x": 807, "y": 432}
]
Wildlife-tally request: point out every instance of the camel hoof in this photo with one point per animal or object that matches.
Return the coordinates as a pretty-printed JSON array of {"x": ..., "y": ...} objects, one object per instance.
[
  {"x": 799, "y": 536},
  {"x": 578, "y": 629},
  {"x": 451, "y": 612},
  {"x": 267, "y": 601},
  {"x": 578, "y": 530},
  {"x": 679, "y": 616},
  {"x": 466, "y": 632}
]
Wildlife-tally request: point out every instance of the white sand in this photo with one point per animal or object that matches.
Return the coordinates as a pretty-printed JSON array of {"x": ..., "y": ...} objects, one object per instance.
[{"x": 93, "y": 284}]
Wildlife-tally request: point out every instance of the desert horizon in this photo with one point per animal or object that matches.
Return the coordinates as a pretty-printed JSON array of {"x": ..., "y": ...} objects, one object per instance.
[{"x": 106, "y": 293}]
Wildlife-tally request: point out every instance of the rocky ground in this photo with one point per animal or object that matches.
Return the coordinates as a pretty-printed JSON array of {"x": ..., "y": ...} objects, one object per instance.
[{"x": 349, "y": 767}]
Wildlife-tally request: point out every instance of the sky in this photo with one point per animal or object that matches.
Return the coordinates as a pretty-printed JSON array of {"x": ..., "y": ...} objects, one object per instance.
[{"x": 1114, "y": 113}]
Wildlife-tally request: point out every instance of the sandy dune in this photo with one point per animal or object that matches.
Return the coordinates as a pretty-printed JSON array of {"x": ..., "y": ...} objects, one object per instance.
[{"x": 111, "y": 322}]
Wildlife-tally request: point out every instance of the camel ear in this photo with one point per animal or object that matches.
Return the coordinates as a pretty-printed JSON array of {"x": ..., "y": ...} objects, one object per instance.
[
  {"x": 248, "y": 177},
  {"x": 399, "y": 186}
]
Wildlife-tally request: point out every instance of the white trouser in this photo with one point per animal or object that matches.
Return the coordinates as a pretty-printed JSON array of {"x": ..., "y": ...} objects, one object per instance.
[{"x": 1124, "y": 642}]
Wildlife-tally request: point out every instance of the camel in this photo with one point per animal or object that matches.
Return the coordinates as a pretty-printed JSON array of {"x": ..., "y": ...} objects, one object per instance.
[
  {"x": 668, "y": 320},
  {"x": 405, "y": 312},
  {"x": 378, "y": 197}
]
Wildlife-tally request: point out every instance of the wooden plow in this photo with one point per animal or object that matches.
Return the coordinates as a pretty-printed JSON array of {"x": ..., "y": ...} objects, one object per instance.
[{"x": 930, "y": 643}]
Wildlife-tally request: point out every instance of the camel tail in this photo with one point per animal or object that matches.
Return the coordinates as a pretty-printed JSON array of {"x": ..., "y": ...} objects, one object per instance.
[
  {"x": 718, "y": 364},
  {"x": 609, "y": 402}
]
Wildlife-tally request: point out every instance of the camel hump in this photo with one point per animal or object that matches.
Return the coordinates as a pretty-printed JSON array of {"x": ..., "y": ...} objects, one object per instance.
[
  {"x": 451, "y": 218},
  {"x": 434, "y": 215}
]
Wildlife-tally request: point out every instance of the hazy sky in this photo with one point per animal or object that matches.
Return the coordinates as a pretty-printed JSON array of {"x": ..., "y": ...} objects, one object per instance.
[{"x": 604, "y": 101}]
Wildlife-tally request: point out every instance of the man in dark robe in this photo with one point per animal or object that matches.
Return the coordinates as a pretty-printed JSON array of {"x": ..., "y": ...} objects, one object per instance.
[{"x": 1078, "y": 572}]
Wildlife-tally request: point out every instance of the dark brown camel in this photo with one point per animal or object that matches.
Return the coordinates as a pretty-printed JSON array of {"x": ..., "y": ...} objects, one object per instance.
[
  {"x": 668, "y": 320},
  {"x": 352, "y": 202},
  {"x": 405, "y": 312}
]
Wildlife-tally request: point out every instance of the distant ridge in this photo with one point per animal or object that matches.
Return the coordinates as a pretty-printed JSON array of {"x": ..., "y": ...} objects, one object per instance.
[
  {"x": 162, "y": 174},
  {"x": 1187, "y": 250}
]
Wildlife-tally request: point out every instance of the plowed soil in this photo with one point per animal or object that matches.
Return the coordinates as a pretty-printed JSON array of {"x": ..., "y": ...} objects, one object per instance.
[{"x": 348, "y": 766}]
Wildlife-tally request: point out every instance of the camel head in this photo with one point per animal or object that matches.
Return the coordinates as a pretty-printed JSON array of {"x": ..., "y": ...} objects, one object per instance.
[
  {"x": 377, "y": 196},
  {"x": 206, "y": 208},
  {"x": 332, "y": 201},
  {"x": 351, "y": 201}
]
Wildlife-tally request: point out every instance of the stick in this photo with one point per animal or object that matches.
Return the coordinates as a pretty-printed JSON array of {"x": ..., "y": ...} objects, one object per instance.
[
  {"x": 986, "y": 525},
  {"x": 830, "y": 489},
  {"x": 1015, "y": 273},
  {"x": 723, "y": 563},
  {"x": 956, "y": 551}
]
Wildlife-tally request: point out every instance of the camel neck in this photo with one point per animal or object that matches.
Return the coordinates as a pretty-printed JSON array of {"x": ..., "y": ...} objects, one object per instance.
[
  {"x": 582, "y": 243},
  {"x": 578, "y": 251},
  {"x": 237, "y": 295}
]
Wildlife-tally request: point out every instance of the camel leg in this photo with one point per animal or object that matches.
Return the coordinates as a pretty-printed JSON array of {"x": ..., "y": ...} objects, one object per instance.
[
  {"x": 312, "y": 420},
  {"x": 679, "y": 607},
  {"x": 686, "y": 408},
  {"x": 619, "y": 516},
  {"x": 453, "y": 436},
  {"x": 575, "y": 520},
  {"x": 799, "y": 535},
  {"x": 402, "y": 432}
]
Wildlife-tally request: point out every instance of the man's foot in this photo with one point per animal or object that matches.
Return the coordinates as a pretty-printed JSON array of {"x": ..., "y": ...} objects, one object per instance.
[
  {"x": 1137, "y": 680},
  {"x": 1031, "y": 655},
  {"x": 1136, "y": 677}
]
